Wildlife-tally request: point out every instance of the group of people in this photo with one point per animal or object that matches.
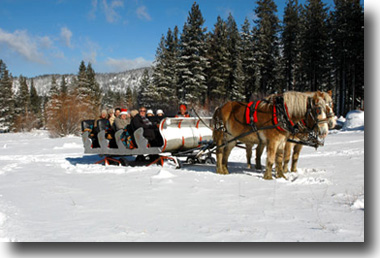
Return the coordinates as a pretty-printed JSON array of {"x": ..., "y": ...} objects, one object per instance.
[{"x": 130, "y": 121}]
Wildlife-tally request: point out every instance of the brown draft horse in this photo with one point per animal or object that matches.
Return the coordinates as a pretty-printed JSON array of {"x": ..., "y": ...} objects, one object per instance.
[
  {"x": 229, "y": 125},
  {"x": 291, "y": 146}
]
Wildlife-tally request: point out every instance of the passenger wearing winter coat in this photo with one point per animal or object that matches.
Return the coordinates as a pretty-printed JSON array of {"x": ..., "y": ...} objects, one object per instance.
[
  {"x": 154, "y": 119},
  {"x": 103, "y": 116},
  {"x": 151, "y": 132},
  {"x": 122, "y": 120},
  {"x": 160, "y": 115},
  {"x": 182, "y": 111},
  {"x": 111, "y": 116}
]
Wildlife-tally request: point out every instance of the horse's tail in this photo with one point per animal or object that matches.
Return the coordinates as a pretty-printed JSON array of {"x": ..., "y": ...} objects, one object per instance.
[
  {"x": 217, "y": 119},
  {"x": 218, "y": 126}
]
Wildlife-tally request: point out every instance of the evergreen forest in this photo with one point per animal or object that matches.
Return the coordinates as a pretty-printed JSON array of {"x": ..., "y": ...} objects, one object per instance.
[{"x": 312, "y": 48}]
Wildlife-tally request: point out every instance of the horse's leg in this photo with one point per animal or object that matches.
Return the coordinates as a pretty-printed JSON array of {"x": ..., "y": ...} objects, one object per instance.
[
  {"x": 287, "y": 152},
  {"x": 279, "y": 159},
  {"x": 271, "y": 154},
  {"x": 218, "y": 137},
  {"x": 249, "y": 154},
  {"x": 226, "y": 153},
  {"x": 296, "y": 153},
  {"x": 259, "y": 151}
]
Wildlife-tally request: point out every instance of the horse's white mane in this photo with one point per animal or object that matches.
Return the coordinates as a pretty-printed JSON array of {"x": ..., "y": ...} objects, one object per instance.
[{"x": 296, "y": 103}]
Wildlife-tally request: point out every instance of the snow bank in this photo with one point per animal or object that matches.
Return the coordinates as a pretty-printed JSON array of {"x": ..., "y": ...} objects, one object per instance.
[
  {"x": 69, "y": 145},
  {"x": 354, "y": 120}
]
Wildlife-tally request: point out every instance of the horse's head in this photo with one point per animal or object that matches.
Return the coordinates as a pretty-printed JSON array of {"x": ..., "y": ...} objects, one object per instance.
[
  {"x": 317, "y": 115},
  {"x": 327, "y": 97}
]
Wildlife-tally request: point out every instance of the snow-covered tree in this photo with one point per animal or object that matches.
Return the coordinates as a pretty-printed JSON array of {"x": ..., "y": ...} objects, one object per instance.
[
  {"x": 63, "y": 86},
  {"x": 147, "y": 95},
  {"x": 35, "y": 100},
  {"x": 266, "y": 43},
  {"x": 23, "y": 97},
  {"x": 235, "y": 84},
  {"x": 247, "y": 59},
  {"x": 193, "y": 61},
  {"x": 219, "y": 57},
  {"x": 95, "y": 93},
  {"x": 291, "y": 43},
  {"x": 6, "y": 99},
  {"x": 347, "y": 37},
  {"x": 314, "y": 49}
]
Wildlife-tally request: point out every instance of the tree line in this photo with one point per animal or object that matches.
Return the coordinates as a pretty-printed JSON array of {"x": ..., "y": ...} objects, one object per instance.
[
  {"x": 60, "y": 110},
  {"x": 311, "y": 49}
]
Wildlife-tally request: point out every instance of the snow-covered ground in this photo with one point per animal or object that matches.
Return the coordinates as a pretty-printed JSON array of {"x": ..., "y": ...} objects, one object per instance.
[{"x": 51, "y": 191}]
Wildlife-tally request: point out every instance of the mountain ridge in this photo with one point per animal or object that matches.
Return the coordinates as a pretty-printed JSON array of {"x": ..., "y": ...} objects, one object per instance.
[{"x": 114, "y": 81}]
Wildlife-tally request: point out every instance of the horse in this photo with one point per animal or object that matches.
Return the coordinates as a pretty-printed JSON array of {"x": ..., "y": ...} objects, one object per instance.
[
  {"x": 229, "y": 126},
  {"x": 296, "y": 147}
]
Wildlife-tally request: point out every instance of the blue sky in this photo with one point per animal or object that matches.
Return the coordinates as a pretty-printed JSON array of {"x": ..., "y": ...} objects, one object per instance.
[{"x": 52, "y": 36}]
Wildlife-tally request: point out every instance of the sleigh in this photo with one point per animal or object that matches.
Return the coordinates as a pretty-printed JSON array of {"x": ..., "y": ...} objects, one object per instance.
[{"x": 181, "y": 137}]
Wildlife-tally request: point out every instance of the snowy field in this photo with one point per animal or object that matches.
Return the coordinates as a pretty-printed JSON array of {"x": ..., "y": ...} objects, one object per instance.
[{"x": 51, "y": 191}]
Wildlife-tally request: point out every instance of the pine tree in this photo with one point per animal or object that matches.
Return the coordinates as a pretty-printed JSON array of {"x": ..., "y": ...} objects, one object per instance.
[
  {"x": 83, "y": 86},
  {"x": 95, "y": 93},
  {"x": 219, "y": 57},
  {"x": 54, "y": 90},
  {"x": 25, "y": 119},
  {"x": 247, "y": 59},
  {"x": 129, "y": 97},
  {"x": 35, "y": 101},
  {"x": 23, "y": 98},
  {"x": 314, "y": 49},
  {"x": 160, "y": 78},
  {"x": 35, "y": 106},
  {"x": 54, "y": 102},
  {"x": 193, "y": 61},
  {"x": 347, "y": 22},
  {"x": 290, "y": 39},
  {"x": 266, "y": 46},
  {"x": 173, "y": 54},
  {"x": 86, "y": 90},
  {"x": 6, "y": 99},
  {"x": 235, "y": 87},
  {"x": 108, "y": 99},
  {"x": 63, "y": 86},
  {"x": 143, "y": 98}
]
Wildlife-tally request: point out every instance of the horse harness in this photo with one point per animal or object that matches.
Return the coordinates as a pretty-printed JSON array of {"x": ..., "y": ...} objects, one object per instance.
[{"x": 281, "y": 121}]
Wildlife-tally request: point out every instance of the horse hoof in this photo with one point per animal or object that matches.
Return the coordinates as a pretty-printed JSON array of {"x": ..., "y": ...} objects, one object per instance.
[
  {"x": 258, "y": 167},
  {"x": 268, "y": 177},
  {"x": 281, "y": 176},
  {"x": 249, "y": 166},
  {"x": 222, "y": 172}
]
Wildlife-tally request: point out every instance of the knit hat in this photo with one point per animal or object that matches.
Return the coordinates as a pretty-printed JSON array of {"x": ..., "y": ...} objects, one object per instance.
[
  {"x": 124, "y": 111},
  {"x": 159, "y": 111},
  {"x": 149, "y": 112},
  {"x": 183, "y": 106}
]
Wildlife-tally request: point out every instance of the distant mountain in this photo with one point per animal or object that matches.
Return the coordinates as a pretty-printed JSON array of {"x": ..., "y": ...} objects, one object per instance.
[{"x": 114, "y": 81}]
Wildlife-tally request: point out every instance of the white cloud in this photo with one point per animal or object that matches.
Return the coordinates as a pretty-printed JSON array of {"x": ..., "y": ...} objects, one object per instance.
[
  {"x": 66, "y": 35},
  {"x": 119, "y": 65},
  {"x": 92, "y": 13},
  {"x": 143, "y": 14},
  {"x": 23, "y": 44},
  {"x": 110, "y": 10},
  {"x": 45, "y": 42}
]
